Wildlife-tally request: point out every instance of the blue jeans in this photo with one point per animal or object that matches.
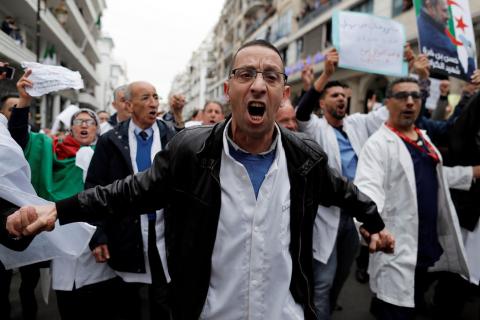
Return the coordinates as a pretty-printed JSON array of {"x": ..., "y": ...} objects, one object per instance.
[{"x": 330, "y": 277}]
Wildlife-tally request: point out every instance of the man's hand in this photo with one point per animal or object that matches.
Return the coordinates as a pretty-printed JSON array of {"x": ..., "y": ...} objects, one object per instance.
[
  {"x": 476, "y": 171},
  {"x": 330, "y": 65},
  {"x": 177, "y": 102},
  {"x": 382, "y": 241},
  {"x": 31, "y": 220},
  {"x": 409, "y": 56},
  {"x": 331, "y": 61},
  {"x": 3, "y": 75},
  {"x": 421, "y": 65},
  {"x": 101, "y": 253},
  {"x": 475, "y": 79},
  {"x": 25, "y": 99},
  {"x": 307, "y": 77}
]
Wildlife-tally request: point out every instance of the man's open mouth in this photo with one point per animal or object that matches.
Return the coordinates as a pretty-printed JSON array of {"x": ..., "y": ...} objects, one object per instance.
[
  {"x": 256, "y": 110},
  {"x": 84, "y": 133},
  {"x": 153, "y": 113}
]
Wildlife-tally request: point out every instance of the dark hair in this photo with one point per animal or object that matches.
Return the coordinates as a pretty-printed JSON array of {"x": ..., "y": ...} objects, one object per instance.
[
  {"x": 213, "y": 101},
  {"x": 7, "y": 96},
  {"x": 261, "y": 43},
  {"x": 331, "y": 84},
  {"x": 397, "y": 81}
]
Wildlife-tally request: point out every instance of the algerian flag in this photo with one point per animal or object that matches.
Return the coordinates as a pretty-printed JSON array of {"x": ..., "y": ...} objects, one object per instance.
[{"x": 461, "y": 31}]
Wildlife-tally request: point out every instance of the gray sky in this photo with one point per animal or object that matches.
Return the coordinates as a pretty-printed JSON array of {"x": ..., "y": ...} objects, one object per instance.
[{"x": 157, "y": 37}]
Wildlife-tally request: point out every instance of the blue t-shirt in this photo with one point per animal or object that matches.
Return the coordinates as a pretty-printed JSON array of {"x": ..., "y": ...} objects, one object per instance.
[
  {"x": 429, "y": 249},
  {"x": 257, "y": 165},
  {"x": 348, "y": 156}
]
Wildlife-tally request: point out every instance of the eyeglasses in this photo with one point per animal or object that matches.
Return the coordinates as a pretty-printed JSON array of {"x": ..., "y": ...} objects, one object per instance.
[
  {"x": 246, "y": 75},
  {"x": 88, "y": 122},
  {"x": 403, "y": 95}
]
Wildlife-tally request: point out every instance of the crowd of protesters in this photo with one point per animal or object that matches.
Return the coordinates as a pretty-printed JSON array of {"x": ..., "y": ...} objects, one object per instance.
[{"x": 239, "y": 216}]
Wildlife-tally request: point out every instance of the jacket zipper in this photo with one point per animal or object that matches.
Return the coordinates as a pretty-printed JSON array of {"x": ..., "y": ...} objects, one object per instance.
[{"x": 300, "y": 251}]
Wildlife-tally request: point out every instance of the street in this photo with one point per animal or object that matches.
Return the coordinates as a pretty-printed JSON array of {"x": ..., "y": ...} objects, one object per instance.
[{"x": 355, "y": 301}]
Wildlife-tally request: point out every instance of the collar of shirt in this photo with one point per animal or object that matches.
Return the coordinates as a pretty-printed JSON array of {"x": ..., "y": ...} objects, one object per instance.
[
  {"x": 276, "y": 134},
  {"x": 137, "y": 130}
]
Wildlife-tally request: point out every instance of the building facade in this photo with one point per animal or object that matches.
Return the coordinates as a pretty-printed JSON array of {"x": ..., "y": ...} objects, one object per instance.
[
  {"x": 57, "y": 32},
  {"x": 301, "y": 30}
]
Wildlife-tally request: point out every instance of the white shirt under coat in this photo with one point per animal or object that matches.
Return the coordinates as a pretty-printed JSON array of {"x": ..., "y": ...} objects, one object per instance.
[
  {"x": 358, "y": 128},
  {"x": 251, "y": 262},
  {"x": 159, "y": 223}
]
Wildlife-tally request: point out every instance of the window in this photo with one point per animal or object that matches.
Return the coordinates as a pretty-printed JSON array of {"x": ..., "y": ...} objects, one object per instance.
[
  {"x": 299, "y": 49},
  {"x": 399, "y": 6},
  {"x": 365, "y": 7}
]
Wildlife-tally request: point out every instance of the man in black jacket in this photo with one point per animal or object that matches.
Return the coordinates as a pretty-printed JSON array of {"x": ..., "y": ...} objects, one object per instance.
[
  {"x": 220, "y": 208},
  {"x": 127, "y": 149}
]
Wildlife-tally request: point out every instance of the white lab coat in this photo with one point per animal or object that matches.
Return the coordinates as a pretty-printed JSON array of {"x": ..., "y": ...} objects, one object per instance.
[
  {"x": 385, "y": 173},
  {"x": 251, "y": 262},
  {"x": 358, "y": 128}
]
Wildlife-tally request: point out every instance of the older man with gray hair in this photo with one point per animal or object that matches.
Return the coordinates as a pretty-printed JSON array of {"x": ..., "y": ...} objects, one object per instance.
[{"x": 118, "y": 104}]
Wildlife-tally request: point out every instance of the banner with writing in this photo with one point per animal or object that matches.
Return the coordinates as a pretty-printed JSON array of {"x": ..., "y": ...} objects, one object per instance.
[
  {"x": 369, "y": 43},
  {"x": 445, "y": 32}
]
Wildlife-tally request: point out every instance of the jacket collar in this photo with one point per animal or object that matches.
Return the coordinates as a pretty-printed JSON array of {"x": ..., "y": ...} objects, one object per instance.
[{"x": 301, "y": 155}]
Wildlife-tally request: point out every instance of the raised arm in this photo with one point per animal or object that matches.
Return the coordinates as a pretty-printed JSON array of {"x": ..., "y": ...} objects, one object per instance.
[
  {"x": 18, "y": 123},
  {"x": 310, "y": 98}
]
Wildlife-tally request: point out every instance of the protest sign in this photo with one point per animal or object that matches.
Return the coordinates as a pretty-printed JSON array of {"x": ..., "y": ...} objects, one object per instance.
[
  {"x": 445, "y": 32},
  {"x": 369, "y": 43},
  {"x": 46, "y": 79}
]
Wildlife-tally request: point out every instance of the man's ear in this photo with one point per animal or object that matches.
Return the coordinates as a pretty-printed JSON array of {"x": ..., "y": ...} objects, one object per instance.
[
  {"x": 321, "y": 103},
  {"x": 129, "y": 106},
  {"x": 286, "y": 92},
  {"x": 226, "y": 89}
]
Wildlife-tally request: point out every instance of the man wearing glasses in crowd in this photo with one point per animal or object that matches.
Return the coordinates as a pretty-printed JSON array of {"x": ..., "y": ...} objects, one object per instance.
[
  {"x": 240, "y": 198},
  {"x": 402, "y": 171}
]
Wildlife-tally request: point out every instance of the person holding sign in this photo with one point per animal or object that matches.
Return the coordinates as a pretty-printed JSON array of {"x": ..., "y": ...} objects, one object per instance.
[{"x": 335, "y": 240}]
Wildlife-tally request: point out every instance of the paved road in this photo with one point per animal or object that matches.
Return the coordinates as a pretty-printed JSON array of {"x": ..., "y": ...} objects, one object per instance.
[{"x": 355, "y": 300}]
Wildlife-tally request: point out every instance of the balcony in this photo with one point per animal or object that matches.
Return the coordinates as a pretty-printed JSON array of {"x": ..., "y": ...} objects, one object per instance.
[
  {"x": 251, "y": 6},
  {"x": 85, "y": 98},
  {"x": 311, "y": 11},
  {"x": 255, "y": 22},
  {"x": 14, "y": 51}
]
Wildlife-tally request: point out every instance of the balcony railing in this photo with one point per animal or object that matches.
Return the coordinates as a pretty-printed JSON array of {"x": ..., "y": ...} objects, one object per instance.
[{"x": 310, "y": 12}]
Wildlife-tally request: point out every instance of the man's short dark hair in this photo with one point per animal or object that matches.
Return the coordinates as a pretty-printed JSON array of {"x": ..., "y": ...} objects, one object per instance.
[
  {"x": 7, "y": 96},
  {"x": 261, "y": 43},
  {"x": 331, "y": 84},
  {"x": 213, "y": 101},
  {"x": 393, "y": 83}
]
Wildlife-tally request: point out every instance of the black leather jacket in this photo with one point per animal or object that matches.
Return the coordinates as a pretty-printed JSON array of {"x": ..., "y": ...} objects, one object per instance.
[{"x": 184, "y": 180}]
